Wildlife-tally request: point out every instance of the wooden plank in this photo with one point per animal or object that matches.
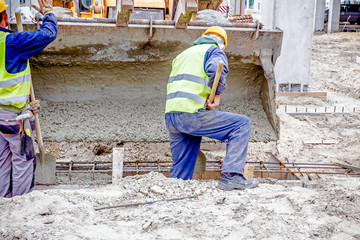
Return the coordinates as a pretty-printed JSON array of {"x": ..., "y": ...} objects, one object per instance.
[
  {"x": 249, "y": 171},
  {"x": 208, "y": 175},
  {"x": 322, "y": 95},
  {"x": 209, "y": 4},
  {"x": 170, "y": 5}
]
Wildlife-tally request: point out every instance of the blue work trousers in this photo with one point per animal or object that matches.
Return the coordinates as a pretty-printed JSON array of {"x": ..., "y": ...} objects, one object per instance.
[{"x": 187, "y": 129}]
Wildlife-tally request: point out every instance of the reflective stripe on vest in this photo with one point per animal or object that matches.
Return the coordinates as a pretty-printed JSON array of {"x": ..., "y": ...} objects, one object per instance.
[
  {"x": 14, "y": 81},
  {"x": 187, "y": 88},
  {"x": 11, "y": 100},
  {"x": 188, "y": 77},
  {"x": 14, "y": 88},
  {"x": 191, "y": 96}
]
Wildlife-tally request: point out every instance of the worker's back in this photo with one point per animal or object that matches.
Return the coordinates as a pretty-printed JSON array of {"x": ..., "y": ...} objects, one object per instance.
[{"x": 187, "y": 88}]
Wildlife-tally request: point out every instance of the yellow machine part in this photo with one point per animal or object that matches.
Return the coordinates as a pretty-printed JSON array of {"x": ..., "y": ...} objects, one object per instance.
[
  {"x": 66, "y": 4},
  {"x": 73, "y": 9},
  {"x": 152, "y": 4},
  {"x": 85, "y": 14},
  {"x": 97, "y": 10},
  {"x": 110, "y": 3},
  {"x": 149, "y": 4}
]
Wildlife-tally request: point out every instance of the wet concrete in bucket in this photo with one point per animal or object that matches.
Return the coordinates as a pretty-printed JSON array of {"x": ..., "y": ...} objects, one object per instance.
[{"x": 117, "y": 101}]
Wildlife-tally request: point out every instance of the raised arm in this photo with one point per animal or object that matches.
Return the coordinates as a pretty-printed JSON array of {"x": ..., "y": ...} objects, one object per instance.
[{"x": 25, "y": 45}]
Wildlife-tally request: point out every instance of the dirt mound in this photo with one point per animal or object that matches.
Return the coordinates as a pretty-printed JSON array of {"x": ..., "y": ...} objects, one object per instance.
[{"x": 270, "y": 211}]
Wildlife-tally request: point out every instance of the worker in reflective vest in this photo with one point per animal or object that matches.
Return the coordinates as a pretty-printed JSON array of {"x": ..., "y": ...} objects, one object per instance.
[
  {"x": 17, "y": 152},
  {"x": 189, "y": 115}
]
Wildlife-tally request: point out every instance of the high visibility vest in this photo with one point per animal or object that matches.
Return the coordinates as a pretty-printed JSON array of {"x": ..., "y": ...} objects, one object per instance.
[
  {"x": 187, "y": 88},
  {"x": 14, "y": 88}
]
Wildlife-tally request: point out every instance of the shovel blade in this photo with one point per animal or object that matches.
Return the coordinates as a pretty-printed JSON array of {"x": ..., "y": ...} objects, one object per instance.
[
  {"x": 45, "y": 169},
  {"x": 200, "y": 165}
]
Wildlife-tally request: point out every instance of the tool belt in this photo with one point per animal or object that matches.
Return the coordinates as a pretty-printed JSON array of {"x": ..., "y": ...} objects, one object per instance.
[
  {"x": 24, "y": 128},
  {"x": 27, "y": 142},
  {"x": 10, "y": 126}
]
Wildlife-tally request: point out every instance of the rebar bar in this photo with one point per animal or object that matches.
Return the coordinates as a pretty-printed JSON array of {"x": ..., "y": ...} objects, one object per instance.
[
  {"x": 312, "y": 167},
  {"x": 343, "y": 173},
  {"x": 145, "y": 203},
  {"x": 212, "y": 166}
]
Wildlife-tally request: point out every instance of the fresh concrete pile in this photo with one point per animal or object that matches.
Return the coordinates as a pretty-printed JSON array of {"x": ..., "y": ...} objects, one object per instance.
[{"x": 269, "y": 212}]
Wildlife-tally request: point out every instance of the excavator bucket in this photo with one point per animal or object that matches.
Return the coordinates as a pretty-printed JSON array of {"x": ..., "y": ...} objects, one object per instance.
[{"x": 105, "y": 79}]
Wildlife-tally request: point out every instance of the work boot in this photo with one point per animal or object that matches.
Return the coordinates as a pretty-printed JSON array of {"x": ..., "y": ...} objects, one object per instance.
[{"x": 236, "y": 181}]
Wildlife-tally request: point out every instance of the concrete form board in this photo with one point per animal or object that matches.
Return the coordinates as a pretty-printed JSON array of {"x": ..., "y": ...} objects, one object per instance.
[{"x": 295, "y": 18}]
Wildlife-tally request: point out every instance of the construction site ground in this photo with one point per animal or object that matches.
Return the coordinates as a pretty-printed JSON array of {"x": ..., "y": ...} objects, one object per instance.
[{"x": 328, "y": 210}]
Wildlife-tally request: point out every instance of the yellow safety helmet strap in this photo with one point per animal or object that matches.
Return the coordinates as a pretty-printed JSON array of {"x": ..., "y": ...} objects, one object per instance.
[{"x": 3, "y": 6}]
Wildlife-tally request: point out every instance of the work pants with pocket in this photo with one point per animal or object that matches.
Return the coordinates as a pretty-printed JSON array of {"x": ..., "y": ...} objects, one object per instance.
[
  {"x": 187, "y": 129},
  {"x": 16, "y": 170}
]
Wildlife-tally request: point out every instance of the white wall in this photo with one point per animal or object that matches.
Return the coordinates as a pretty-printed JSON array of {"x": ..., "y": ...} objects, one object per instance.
[
  {"x": 12, "y": 6},
  {"x": 237, "y": 6},
  {"x": 319, "y": 15},
  {"x": 296, "y": 19},
  {"x": 268, "y": 13}
]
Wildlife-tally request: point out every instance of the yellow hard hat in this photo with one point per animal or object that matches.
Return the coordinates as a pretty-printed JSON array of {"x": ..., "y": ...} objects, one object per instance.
[
  {"x": 3, "y": 6},
  {"x": 215, "y": 29}
]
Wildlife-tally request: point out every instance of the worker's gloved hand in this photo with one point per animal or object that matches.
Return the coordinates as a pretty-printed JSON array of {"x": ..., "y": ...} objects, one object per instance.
[
  {"x": 216, "y": 102},
  {"x": 45, "y": 7},
  {"x": 35, "y": 105}
]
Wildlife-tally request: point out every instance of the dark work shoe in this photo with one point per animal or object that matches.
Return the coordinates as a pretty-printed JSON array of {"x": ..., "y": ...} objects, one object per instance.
[{"x": 236, "y": 182}]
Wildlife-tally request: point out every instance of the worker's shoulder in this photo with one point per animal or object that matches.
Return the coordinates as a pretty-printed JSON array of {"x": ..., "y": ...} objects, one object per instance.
[
  {"x": 3, "y": 34},
  {"x": 216, "y": 51},
  {"x": 5, "y": 31},
  {"x": 200, "y": 47}
]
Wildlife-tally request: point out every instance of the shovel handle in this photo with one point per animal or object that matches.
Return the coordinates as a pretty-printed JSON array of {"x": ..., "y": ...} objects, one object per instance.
[
  {"x": 18, "y": 21},
  {"x": 216, "y": 81},
  {"x": 37, "y": 123},
  {"x": 32, "y": 94}
]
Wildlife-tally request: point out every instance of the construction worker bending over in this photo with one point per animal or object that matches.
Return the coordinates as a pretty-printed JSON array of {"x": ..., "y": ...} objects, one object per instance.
[
  {"x": 189, "y": 115},
  {"x": 17, "y": 152}
]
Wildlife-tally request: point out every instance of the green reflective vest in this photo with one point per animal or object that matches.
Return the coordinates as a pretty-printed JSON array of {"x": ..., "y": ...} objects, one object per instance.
[
  {"x": 14, "y": 88},
  {"x": 187, "y": 88}
]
